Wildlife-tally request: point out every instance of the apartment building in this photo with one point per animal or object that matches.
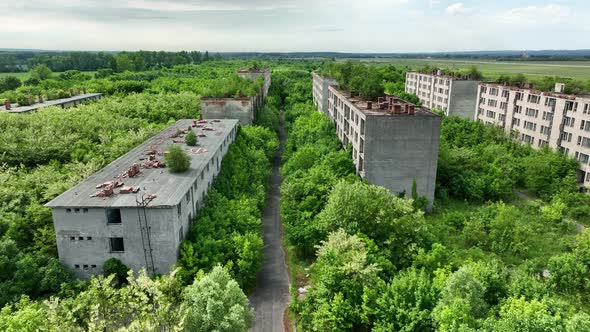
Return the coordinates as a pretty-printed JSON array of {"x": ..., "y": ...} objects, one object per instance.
[
  {"x": 320, "y": 91},
  {"x": 394, "y": 143},
  {"x": 135, "y": 209},
  {"x": 539, "y": 119},
  {"x": 453, "y": 95}
]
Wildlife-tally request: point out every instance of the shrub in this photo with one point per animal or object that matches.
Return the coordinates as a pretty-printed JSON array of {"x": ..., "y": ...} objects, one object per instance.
[
  {"x": 177, "y": 160},
  {"x": 116, "y": 267},
  {"x": 191, "y": 139}
]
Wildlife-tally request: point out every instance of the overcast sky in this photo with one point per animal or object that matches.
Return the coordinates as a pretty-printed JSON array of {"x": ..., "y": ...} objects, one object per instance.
[{"x": 295, "y": 25}]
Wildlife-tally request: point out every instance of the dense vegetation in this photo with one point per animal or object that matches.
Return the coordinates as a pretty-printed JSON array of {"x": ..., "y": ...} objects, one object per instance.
[
  {"x": 37, "y": 167},
  {"x": 89, "y": 61},
  {"x": 503, "y": 250},
  {"x": 369, "y": 82},
  {"x": 487, "y": 258},
  {"x": 210, "y": 79}
]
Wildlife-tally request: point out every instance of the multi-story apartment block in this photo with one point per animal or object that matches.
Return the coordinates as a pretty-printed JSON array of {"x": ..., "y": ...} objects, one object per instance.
[
  {"x": 453, "y": 95},
  {"x": 320, "y": 91},
  {"x": 136, "y": 210},
  {"x": 539, "y": 119},
  {"x": 394, "y": 143}
]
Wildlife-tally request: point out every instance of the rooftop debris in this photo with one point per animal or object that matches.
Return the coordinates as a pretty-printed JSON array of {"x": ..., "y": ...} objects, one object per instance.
[
  {"x": 129, "y": 190},
  {"x": 199, "y": 150}
]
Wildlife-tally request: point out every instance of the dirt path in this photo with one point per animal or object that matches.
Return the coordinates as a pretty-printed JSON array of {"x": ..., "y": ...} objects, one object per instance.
[{"x": 271, "y": 295}]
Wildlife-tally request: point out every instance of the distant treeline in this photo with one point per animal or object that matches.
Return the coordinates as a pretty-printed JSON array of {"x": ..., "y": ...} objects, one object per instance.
[{"x": 22, "y": 61}]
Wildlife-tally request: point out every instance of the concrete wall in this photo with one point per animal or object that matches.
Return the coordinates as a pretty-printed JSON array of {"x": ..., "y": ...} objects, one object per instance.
[
  {"x": 401, "y": 149},
  {"x": 253, "y": 75},
  {"x": 241, "y": 109},
  {"x": 463, "y": 99},
  {"x": 94, "y": 248}
]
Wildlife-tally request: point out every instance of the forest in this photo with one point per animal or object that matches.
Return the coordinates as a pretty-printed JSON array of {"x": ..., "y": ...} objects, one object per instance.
[
  {"x": 22, "y": 61},
  {"x": 505, "y": 247}
]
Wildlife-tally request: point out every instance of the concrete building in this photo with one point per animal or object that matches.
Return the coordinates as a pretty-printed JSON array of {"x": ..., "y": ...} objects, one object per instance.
[
  {"x": 539, "y": 119},
  {"x": 244, "y": 108},
  {"x": 253, "y": 74},
  {"x": 394, "y": 143},
  {"x": 320, "y": 91},
  {"x": 136, "y": 210},
  {"x": 63, "y": 103},
  {"x": 453, "y": 95}
]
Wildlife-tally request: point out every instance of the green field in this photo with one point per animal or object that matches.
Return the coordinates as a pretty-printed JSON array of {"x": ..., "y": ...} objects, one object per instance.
[
  {"x": 26, "y": 75},
  {"x": 492, "y": 69}
]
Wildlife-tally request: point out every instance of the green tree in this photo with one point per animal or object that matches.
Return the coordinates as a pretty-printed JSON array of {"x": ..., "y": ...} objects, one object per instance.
[
  {"x": 406, "y": 303},
  {"x": 8, "y": 83},
  {"x": 342, "y": 270},
  {"x": 114, "y": 266},
  {"x": 177, "y": 160},
  {"x": 215, "y": 302},
  {"x": 520, "y": 315},
  {"x": 41, "y": 72},
  {"x": 191, "y": 138}
]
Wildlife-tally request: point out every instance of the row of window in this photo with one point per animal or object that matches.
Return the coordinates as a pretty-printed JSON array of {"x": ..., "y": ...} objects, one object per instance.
[{"x": 77, "y": 210}]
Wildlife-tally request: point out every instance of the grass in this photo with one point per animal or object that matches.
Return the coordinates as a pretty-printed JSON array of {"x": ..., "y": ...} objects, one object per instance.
[
  {"x": 493, "y": 69},
  {"x": 546, "y": 239},
  {"x": 26, "y": 75}
]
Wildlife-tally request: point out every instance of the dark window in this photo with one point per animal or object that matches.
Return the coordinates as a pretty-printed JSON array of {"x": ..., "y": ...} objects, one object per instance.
[
  {"x": 72, "y": 238},
  {"x": 77, "y": 266},
  {"x": 68, "y": 210},
  {"x": 80, "y": 238},
  {"x": 89, "y": 238},
  {"x": 117, "y": 244},
  {"x": 113, "y": 216},
  {"x": 180, "y": 235},
  {"x": 85, "y": 210},
  {"x": 77, "y": 210},
  {"x": 179, "y": 208},
  {"x": 93, "y": 266},
  {"x": 85, "y": 266}
]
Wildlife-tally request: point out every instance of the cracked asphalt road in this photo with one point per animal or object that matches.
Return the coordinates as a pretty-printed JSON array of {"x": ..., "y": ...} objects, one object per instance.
[{"x": 271, "y": 294}]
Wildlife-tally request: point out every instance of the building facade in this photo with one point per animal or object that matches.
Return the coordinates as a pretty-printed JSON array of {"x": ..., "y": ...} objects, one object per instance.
[
  {"x": 134, "y": 209},
  {"x": 242, "y": 108},
  {"x": 394, "y": 143},
  {"x": 453, "y": 95},
  {"x": 253, "y": 74},
  {"x": 539, "y": 119},
  {"x": 320, "y": 91}
]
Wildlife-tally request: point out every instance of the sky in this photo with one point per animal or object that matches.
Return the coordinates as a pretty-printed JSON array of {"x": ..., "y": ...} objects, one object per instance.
[{"x": 361, "y": 26}]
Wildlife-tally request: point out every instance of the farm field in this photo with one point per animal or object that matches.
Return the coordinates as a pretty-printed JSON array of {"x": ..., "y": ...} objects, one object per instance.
[{"x": 493, "y": 69}]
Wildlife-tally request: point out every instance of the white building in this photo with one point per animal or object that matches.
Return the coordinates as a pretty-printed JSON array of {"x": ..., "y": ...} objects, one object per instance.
[
  {"x": 538, "y": 118},
  {"x": 453, "y": 95}
]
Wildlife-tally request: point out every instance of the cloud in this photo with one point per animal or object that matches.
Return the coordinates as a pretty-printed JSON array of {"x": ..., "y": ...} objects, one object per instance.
[
  {"x": 457, "y": 9},
  {"x": 433, "y": 3},
  {"x": 547, "y": 14}
]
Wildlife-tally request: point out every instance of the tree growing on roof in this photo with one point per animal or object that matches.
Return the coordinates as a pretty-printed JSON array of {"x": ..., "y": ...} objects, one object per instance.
[
  {"x": 177, "y": 160},
  {"x": 191, "y": 139}
]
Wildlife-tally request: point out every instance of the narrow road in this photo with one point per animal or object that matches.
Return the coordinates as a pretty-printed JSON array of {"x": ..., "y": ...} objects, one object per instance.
[{"x": 271, "y": 294}]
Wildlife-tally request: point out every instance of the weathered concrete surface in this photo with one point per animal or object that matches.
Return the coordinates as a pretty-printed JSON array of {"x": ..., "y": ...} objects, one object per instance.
[{"x": 271, "y": 295}]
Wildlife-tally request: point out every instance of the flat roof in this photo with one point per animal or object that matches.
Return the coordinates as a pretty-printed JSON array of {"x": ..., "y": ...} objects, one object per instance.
[
  {"x": 47, "y": 103},
  {"x": 169, "y": 188},
  {"x": 534, "y": 91},
  {"x": 449, "y": 77},
  {"x": 375, "y": 109}
]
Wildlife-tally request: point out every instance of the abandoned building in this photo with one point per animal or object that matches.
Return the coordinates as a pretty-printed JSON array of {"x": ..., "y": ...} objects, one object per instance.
[
  {"x": 452, "y": 94},
  {"x": 394, "y": 143},
  {"x": 135, "y": 209},
  {"x": 75, "y": 100},
  {"x": 241, "y": 108}
]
